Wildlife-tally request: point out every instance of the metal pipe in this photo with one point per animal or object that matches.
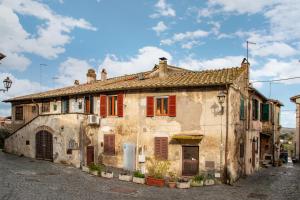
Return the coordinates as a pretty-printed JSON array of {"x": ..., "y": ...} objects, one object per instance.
[{"x": 226, "y": 136}]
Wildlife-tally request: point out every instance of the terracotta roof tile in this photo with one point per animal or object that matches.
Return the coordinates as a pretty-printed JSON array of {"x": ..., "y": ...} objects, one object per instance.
[{"x": 178, "y": 77}]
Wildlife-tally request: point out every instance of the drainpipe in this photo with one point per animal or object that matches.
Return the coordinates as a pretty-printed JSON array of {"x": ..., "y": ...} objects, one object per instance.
[{"x": 226, "y": 136}]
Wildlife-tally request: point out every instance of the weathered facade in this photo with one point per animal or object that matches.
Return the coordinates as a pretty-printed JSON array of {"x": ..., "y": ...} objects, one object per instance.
[
  {"x": 296, "y": 100},
  {"x": 199, "y": 121}
]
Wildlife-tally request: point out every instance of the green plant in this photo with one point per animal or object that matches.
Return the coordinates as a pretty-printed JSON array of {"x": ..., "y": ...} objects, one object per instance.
[
  {"x": 157, "y": 168},
  {"x": 172, "y": 177},
  {"x": 183, "y": 180},
  {"x": 210, "y": 176},
  {"x": 94, "y": 167},
  {"x": 198, "y": 178},
  {"x": 138, "y": 174}
]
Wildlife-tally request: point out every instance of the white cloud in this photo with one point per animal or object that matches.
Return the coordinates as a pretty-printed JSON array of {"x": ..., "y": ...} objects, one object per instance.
[
  {"x": 184, "y": 37},
  {"x": 72, "y": 69},
  {"x": 279, "y": 49},
  {"x": 215, "y": 63},
  {"x": 19, "y": 87},
  {"x": 242, "y": 6},
  {"x": 288, "y": 119},
  {"x": 145, "y": 60},
  {"x": 52, "y": 34},
  {"x": 160, "y": 27},
  {"x": 163, "y": 9},
  {"x": 275, "y": 69}
]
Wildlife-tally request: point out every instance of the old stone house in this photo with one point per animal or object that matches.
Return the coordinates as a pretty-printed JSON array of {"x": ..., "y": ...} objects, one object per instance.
[
  {"x": 198, "y": 120},
  {"x": 296, "y": 156}
]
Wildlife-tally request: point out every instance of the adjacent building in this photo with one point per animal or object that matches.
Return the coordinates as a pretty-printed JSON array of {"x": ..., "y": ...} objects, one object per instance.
[
  {"x": 296, "y": 100},
  {"x": 201, "y": 121}
]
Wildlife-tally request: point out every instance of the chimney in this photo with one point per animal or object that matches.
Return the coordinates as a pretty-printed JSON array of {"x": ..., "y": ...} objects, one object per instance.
[
  {"x": 103, "y": 75},
  {"x": 162, "y": 67},
  {"x": 91, "y": 76},
  {"x": 76, "y": 82},
  {"x": 246, "y": 65}
]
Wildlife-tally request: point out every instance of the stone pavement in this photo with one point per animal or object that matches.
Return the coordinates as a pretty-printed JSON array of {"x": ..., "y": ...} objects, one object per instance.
[{"x": 29, "y": 179}]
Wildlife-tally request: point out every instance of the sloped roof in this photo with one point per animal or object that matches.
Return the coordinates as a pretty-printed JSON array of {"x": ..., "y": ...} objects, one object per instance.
[{"x": 176, "y": 77}]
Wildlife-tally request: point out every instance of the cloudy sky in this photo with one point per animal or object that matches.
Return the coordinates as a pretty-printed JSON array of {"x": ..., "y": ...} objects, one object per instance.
[{"x": 68, "y": 37}]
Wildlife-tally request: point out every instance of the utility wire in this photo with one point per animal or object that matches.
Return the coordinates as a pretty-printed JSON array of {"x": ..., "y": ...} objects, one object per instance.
[{"x": 276, "y": 80}]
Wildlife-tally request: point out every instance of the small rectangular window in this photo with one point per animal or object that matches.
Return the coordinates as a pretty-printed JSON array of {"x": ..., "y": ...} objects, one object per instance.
[
  {"x": 242, "y": 109},
  {"x": 80, "y": 105},
  {"x": 162, "y": 105},
  {"x": 27, "y": 142},
  {"x": 54, "y": 107},
  {"x": 46, "y": 107},
  {"x": 33, "y": 109},
  {"x": 255, "y": 107},
  {"x": 242, "y": 151},
  {"x": 19, "y": 113}
]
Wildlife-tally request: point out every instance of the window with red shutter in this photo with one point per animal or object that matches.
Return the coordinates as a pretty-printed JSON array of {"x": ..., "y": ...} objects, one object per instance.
[
  {"x": 103, "y": 105},
  {"x": 172, "y": 106},
  {"x": 120, "y": 105},
  {"x": 109, "y": 144},
  {"x": 161, "y": 148},
  {"x": 150, "y": 106}
]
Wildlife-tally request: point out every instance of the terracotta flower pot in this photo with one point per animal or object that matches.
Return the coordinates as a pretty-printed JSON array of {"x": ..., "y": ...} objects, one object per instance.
[
  {"x": 172, "y": 184},
  {"x": 155, "y": 181}
]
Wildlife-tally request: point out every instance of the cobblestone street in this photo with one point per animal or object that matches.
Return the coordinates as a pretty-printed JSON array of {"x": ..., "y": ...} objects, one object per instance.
[{"x": 24, "y": 178}]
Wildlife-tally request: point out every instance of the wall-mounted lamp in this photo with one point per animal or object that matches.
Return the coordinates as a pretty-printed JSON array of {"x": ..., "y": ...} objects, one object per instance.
[
  {"x": 221, "y": 99},
  {"x": 7, "y": 84}
]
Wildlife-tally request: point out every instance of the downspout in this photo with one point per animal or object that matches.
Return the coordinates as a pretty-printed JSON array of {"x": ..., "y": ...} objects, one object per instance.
[{"x": 226, "y": 135}]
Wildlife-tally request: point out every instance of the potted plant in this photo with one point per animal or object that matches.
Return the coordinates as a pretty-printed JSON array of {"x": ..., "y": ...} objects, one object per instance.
[
  {"x": 198, "y": 180},
  {"x": 157, "y": 169},
  {"x": 172, "y": 180},
  {"x": 125, "y": 176},
  {"x": 210, "y": 179},
  {"x": 94, "y": 169},
  {"x": 138, "y": 177},
  {"x": 107, "y": 173},
  {"x": 183, "y": 183}
]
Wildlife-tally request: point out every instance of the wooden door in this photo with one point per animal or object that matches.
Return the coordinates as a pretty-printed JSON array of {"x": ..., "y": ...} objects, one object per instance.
[
  {"x": 89, "y": 155},
  {"x": 44, "y": 145},
  {"x": 190, "y": 160},
  {"x": 253, "y": 154}
]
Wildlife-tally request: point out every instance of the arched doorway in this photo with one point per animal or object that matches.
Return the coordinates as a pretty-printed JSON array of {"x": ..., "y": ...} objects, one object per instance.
[{"x": 44, "y": 145}]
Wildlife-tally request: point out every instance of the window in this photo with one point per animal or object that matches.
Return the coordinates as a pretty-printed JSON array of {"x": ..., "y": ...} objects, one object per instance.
[
  {"x": 242, "y": 108},
  {"x": 33, "y": 109},
  {"x": 242, "y": 151},
  {"x": 19, "y": 113},
  {"x": 255, "y": 109},
  {"x": 46, "y": 107},
  {"x": 162, "y": 106},
  {"x": 112, "y": 105},
  {"x": 80, "y": 105},
  {"x": 55, "y": 107},
  {"x": 89, "y": 104},
  {"x": 161, "y": 148},
  {"x": 65, "y": 105},
  {"x": 109, "y": 144},
  {"x": 265, "y": 112}
]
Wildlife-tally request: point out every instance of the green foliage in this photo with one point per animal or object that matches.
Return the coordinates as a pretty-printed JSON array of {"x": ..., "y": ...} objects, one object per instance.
[
  {"x": 94, "y": 167},
  {"x": 138, "y": 174},
  {"x": 198, "y": 178},
  {"x": 157, "y": 168},
  {"x": 3, "y": 134},
  {"x": 173, "y": 177}
]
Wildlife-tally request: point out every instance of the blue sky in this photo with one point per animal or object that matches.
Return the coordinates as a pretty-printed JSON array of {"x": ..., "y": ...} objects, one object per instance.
[{"x": 128, "y": 36}]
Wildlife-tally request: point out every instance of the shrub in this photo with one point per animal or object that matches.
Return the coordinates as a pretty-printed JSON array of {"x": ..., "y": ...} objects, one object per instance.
[
  {"x": 173, "y": 177},
  {"x": 157, "y": 168},
  {"x": 198, "y": 178},
  {"x": 94, "y": 167},
  {"x": 138, "y": 174}
]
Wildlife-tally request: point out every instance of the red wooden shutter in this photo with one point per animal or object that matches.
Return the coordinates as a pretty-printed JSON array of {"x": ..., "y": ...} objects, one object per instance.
[
  {"x": 103, "y": 106},
  {"x": 172, "y": 106},
  {"x": 150, "y": 106},
  {"x": 109, "y": 144},
  {"x": 112, "y": 144},
  {"x": 120, "y": 105},
  {"x": 161, "y": 148}
]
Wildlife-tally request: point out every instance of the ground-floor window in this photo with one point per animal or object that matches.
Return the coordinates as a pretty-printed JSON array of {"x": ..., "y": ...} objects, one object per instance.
[{"x": 161, "y": 148}]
